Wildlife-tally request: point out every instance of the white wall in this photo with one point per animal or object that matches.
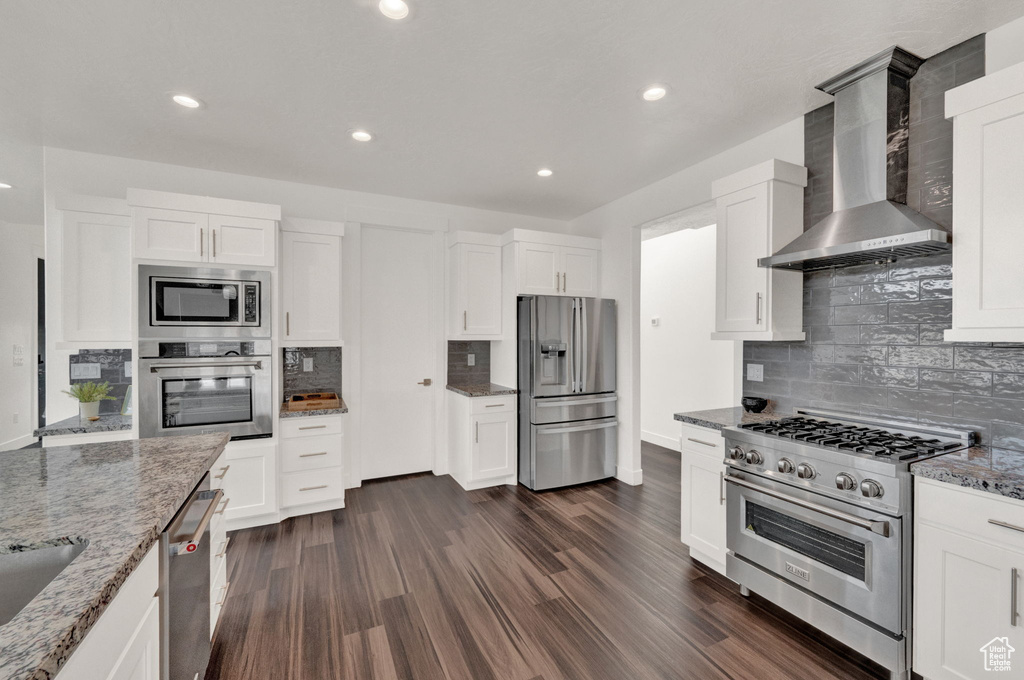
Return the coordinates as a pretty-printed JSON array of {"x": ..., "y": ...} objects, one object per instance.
[
  {"x": 681, "y": 367},
  {"x": 617, "y": 224},
  {"x": 1004, "y": 46},
  {"x": 22, "y": 246}
]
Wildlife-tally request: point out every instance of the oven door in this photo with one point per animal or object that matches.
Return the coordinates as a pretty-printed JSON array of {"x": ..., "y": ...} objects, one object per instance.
[
  {"x": 218, "y": 394},
  {"x": 845, "y": 554}
]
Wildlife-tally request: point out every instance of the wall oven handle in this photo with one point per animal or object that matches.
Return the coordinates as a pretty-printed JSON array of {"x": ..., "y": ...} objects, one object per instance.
[
  {"x": 879, "y": 527},
  {"x": 254, "y": 364},
  {"x": 189, "y": 546}
]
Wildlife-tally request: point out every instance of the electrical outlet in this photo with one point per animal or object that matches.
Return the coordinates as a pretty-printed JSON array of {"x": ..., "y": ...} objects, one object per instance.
[
  {"x": 85, "y": 371},
  {"x": 755, "y": 372},
  {"x": 471, "y": 360},
  {"x": 127, "y": 369},
  {"x": 307, "y": 364}
]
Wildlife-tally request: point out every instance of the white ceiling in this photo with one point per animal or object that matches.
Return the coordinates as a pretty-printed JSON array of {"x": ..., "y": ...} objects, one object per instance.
[{"x": 468, "y": 98}]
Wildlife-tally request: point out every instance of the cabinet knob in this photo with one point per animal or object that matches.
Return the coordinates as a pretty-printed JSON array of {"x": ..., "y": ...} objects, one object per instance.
[{"x": 426, "y": 382}]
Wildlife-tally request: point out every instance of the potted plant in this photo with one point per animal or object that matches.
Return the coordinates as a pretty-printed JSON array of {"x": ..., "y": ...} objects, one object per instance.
[{"x": 89, "y": 396}]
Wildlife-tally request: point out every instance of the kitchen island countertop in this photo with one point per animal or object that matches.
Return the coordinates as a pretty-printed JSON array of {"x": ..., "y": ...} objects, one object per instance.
[{"x": 74, "y": 425}]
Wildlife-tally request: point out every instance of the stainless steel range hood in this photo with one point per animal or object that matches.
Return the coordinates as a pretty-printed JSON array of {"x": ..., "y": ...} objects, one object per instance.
[{"x": 871, "y": 222}]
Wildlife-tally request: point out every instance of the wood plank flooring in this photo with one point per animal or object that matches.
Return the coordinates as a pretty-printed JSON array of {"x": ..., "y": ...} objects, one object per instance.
[{"x": 418, "y": 579}]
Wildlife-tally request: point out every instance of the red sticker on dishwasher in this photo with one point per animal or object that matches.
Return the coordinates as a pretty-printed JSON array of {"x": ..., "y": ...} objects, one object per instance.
[{"x": 191, "y": 547}]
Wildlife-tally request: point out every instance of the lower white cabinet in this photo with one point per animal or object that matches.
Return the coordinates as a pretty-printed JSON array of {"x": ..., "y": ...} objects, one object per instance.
[
  {"x": 312, "y": 478},
  {"x": 702, "y": 453},
  {"x": 124, "y": 644},
  {"x": 219, "y": 542},
  {"x": 482, "y": 431},
  {"x": 249, "y": 483},
  {"x": 968, "y": 587}
]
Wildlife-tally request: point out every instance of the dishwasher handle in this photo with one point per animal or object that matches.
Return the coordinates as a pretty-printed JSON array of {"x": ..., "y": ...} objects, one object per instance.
[{"x": 190, "y": 545}]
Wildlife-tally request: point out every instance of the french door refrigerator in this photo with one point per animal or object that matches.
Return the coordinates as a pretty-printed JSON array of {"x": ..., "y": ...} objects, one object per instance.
[{"x": 567, "y": 403}]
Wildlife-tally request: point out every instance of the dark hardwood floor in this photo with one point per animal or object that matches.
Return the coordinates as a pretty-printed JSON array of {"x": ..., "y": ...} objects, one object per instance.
[{"x": 418, "y": 579}]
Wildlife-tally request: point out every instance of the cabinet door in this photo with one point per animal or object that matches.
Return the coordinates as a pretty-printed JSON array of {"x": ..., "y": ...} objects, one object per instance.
[
  {"x": 989, "y": 170},
  {"x": 141, "y": 659},
  {"x": 170, "y": 235},
  {"x": 250, "y": 487},
  {"x": 540, "y": 270},
  {"x": 742, "y": 239},
  {"x": 703, "y": 505},
  {"x": 494, "y": 446},
  {"x": 477, "y": 309},
  {"x": 962, "y": 602},
  {"x": 243, "y": 241},
  {"x": 580, "y": 272},
  {"x": 311, "y": 286},
  {"x": 97, "y": 275}
]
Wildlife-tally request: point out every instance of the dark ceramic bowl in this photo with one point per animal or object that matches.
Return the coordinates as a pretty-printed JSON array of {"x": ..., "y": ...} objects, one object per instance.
[{"x": 754, "y": 404}]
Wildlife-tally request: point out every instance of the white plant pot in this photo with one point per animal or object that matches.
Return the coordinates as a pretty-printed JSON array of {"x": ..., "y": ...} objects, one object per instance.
[{"x": 88, "y": 410}]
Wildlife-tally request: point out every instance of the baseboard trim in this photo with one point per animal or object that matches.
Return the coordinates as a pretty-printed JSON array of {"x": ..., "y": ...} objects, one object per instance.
[
  {"x": 660, "y": 440},
  {"x": 631, "y": 477}
]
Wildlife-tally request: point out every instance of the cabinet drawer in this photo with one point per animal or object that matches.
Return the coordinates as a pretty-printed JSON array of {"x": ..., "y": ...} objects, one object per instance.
[
  {"x": 703, "y": 440},
  {"x": 218, "y": 594},
  {"x": 219, "y": 472},
  {"x": 310, "y": 427},
  {"x": 969, "y": 511},
  {"x": 313, "y": 486},
  {"x": 493, "y": 404},
  {"x": 218, "y": 556},
  {"x": 311, "y": 453}
]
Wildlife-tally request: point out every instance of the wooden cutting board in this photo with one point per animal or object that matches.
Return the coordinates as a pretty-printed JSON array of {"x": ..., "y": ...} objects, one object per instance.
[{"x": 313, "y": 401}]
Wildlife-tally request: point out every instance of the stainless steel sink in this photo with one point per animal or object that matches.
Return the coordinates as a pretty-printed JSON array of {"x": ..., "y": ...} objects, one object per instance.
[{"x": 25, "y": 572}]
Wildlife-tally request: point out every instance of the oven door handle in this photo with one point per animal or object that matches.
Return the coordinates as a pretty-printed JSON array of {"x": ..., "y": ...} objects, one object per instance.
[
  {"x": 879, "y": 527},
  {"x": 240, "y": 364}
]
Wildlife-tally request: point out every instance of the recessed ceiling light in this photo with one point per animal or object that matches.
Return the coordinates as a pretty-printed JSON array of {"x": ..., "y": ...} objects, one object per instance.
[
  {"x": 544, "y": 172},
  {"x": 186, "y": 101},
  {"x": 394, "y": 9},
  {"x": 654, "y": 93},
  {"x": 5, "y": 185},
  {"x": 361, "y": 135}
]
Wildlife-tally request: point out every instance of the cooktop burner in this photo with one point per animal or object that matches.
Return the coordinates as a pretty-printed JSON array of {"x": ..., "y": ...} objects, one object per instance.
[{"x": 853, "y": 438}]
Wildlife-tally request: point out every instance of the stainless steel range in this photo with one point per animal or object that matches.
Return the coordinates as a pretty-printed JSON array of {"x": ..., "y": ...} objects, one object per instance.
[{"x": 820, "y": 515}]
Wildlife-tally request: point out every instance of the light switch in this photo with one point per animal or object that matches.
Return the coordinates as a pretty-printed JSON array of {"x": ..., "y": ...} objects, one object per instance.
[
  {"x": 755, "y": 372},
  {"x": 85, "y": 371},
  {"x": 471, "y": 360},
  {"x": 307, "y": 364}
]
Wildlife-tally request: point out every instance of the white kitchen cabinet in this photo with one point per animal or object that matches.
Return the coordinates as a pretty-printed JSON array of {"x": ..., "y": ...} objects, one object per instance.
[
  {"x": 250, "y": 485},
  {"x": 171, "y": 235},
  {"x": 311, "y": 287},
  {"x": 703, "y": 512},
  {"x": 474, "y": 281},
  {"x": 580, "y": 272},
  {"x": 988, "y": 171},
  {"x": 546, "y": 269},
  {"x": 967, "y": 579},
  {"x": 483, "y": 436},
  {"x": 760, "y": 210},
  {"x": 219, "y": 542},
  {"x": 242, "y": 241},
  {"x": 312, "y": 450}
]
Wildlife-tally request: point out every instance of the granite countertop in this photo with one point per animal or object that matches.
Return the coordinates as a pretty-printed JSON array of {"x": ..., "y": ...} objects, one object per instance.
[
  {"x": 118, "y": 496},
  {"x": 488, "y": 390},
  {"x": 997, "y": 471},
  {"x": 718, "y": 418},
  {"x": 74, "y": 425},
  {"x": 285, "y": 413}
]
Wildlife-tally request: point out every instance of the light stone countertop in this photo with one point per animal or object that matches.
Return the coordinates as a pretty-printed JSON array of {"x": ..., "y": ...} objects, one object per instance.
[
  {"x": 718, "y": 418},
  {"x": 285, "y": 413},
  {"x": 997, "y": 471},
  {"x": 488, "y": 390},
  {"x": 75, "y": 425}
]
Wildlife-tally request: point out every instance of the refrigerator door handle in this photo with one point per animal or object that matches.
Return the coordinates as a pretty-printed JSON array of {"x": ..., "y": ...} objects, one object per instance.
[
  {"x": 572, "y": 349},
  {"x": 578, "y": 340},
  {"x": 584, "y": 345}
]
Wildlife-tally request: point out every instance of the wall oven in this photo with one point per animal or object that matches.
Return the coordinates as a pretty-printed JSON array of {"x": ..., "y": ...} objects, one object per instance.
[
  {"x": 191, "y": 302},
  {"x": 206, "y": 386}
]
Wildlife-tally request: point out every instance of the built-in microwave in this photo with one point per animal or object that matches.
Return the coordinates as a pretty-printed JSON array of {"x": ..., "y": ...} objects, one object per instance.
[{"x": 192, "y": 302}]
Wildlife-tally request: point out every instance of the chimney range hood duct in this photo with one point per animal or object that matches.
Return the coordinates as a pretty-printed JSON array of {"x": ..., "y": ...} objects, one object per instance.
[{"x": 871, "y": 222}]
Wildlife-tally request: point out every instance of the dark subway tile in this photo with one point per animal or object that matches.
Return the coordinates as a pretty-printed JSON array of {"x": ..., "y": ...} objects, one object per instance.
[
  {"x": 817, "y": 316},
  {"x": 964, "y": 382},
  {"x": 897, "y": 291},
  {"x": 906, "y": 334},
  {"x": 925, "y": 267},
  {"x": 933, "y": 289},
  {"x": 822, "y": 354},
  {"x": 865, "y": 273},
  {"x": 989, "y": 408},
  {"x": 888, "y": 376},
  {"x": 857, "y": 395},
  {"x": 835, "y": 373},
  {"x": 770, "y": 351},
  {"x": 936, "y": 403},
  {"x": 1002, "y": 359},
  {"x": 930, "y": 357},
  {"x": 1008, "y": 385},
  {"x": 861, "y": 354},
  {"x": 860, "y": 314},
  {"x": 1008, "y": 436},
  {"x": 928, "y": 311}
]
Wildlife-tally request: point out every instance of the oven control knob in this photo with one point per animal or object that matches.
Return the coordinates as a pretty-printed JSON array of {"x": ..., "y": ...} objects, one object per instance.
[
  {"x": 786, "y": 466},
  {"x": 845, "y": 482},
  {"x": 804, "y": 471},
  {"x": 736, "y": 453},
  {"x": 754, "y": 457},
  {"x": 871, "y": 488}
]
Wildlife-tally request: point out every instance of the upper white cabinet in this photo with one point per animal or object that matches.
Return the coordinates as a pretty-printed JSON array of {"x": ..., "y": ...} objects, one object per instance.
[
  {"x": 988, "y": 171},
  {"x": 184, "y": 228},
  {"x": 759, "y": 211},
  {"x": 474, "y": 282},
  {"x": 311, "y": 281},
  {"x": 94, "y": 276},
  {"x": 554, "y": 264}
]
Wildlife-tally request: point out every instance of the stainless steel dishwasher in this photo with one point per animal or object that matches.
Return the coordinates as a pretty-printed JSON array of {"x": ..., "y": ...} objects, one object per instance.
[{"x": 185, "y": 587}]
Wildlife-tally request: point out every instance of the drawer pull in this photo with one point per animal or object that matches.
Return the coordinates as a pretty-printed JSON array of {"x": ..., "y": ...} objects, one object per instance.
[
  {"x": 313, "y": 488},
  {"x": 223, "y": 507},
  {"x": 493, "y": 405},
  {"x": 223, "y": 471},
  {"x": 1013, "y": 597},
  {"x": 721, "y": 487},
  {"x": 1006, "y": 525},
  {"x": 310, "y": 455},
  {"x": 224, "y": 594},
  {"x": 224, "y": 550},
  {"x": 698, "y": 441},
  {"x": 313, "y": 427}
]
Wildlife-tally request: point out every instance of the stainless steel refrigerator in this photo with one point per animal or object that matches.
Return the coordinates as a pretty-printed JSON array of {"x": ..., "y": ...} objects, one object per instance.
[{"x": 567, "y": 404}]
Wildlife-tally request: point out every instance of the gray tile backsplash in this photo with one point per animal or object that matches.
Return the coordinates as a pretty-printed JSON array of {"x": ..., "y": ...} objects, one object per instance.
[
  {"x": 325, "y": 376},
  {"x": 459, "y": 370},
  {"x": 874, "y": 332},
  {"x": 113, "y": 370}
]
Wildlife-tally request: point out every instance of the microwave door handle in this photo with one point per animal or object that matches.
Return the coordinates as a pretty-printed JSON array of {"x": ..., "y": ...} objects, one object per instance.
[{"x": 253, "y": 364}]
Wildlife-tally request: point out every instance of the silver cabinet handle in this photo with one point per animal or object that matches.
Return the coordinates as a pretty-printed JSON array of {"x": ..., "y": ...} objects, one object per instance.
[
  {"x": 565, "y": 287},
  {"x": 201, "y": 239},
  {"x": 313, "y": 427},
  {"x": 493, "y": 405},
  {"x": 1013, "y": 596},
  {"x": 698, "y": 441},
  {"x": 312, "y": 455},
  {"x": 213, "y": 233},
  {"x": 464, "y": 322},
  {"x": 1006, "y": 525},
  {"x": 875, "y": 526},
  {"x": 557, "y": 289},
  {"x": 721, "y": 487},
  {"x": 287, "y": 323},
  {"x": 758, "y": 310},
  {"x": 223, "y": 472},
  {"x": 224, "y": 594},
  {"x": 476, "y": 432},
  {"x": 223, "y": 507},
  {"x": 224, "y": 549},
  {"x": 313, "y": 488}
]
